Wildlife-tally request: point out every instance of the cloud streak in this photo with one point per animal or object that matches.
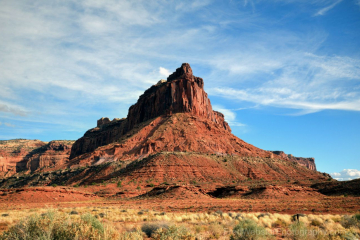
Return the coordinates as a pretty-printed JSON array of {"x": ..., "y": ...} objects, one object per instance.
[
  {"x": 13, "y": 109},
  {"x": 230, "y": 116},
  {"x": 324, "y": 10},
  {"x": 306, "y": 81},
  {"x": 88, "y": 59}
]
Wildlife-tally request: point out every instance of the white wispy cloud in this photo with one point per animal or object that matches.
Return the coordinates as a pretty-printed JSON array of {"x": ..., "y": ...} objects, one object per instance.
[
  {"x": 88, "y": 58},
  {"x": 346, "y": 174},
  {"x": 324, "y": 10},
  {"x": 11, "y": 108},
  {"x": 230, "y": 116},
  {"x": 9, "y": 124},
  {"x": 302, "y": 81},
  {"x": 286, "y": 98}
]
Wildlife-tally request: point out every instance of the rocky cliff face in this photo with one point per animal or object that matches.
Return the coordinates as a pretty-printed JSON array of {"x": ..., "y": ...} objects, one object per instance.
[
  {"x": 170, "y": 134},
  {"x": 23, "y": 155},
  {"x": 306, "y": 162},
  {"x": 105, "y": 133},
  {"x": 175, "y": 115},
  {"x": 181, "y": 93}
]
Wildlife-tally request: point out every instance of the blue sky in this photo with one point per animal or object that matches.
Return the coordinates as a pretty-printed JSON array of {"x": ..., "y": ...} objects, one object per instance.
[{"x": 286, "y": 73}]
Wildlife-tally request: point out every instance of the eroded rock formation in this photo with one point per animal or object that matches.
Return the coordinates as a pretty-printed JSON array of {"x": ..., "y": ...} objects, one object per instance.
[
  {"x": 171, "y": 134},
  {"x": 22, "y": 155},
  {"x": 175, "y": 115},
  {"x": 181, "y": 93},
  {"x": 105, "y": 133},
  {"x": 306, "y": 162}
]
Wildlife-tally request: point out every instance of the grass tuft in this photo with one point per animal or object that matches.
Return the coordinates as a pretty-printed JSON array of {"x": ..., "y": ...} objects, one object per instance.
[{"x": 249, "y": 229}]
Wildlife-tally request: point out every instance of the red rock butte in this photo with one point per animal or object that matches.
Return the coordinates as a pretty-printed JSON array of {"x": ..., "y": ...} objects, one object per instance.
[
  {"x": 176, "y": 116},
  {"x": 171, "y": 151},
  {"x": 172, "y": 130},
  {"x": 181, "y": 93}
]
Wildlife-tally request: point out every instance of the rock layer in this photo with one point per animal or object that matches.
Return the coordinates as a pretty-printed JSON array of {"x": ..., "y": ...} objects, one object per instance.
[
  {"x": 23, "y": 155},
  {"x": 105, "y": 133},
  {"x": 176, "y": 116},
  {"x": 181, "y": 93},
  {"x": 306, "y": 162},
  {"x": 179, "y": 132}
]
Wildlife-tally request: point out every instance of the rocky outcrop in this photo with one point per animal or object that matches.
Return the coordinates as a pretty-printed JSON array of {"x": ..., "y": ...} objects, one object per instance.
[
  {"x": 171, "y": 134},
  {"x": 176, "y": 116},
  {"x": 105, "y": 133},
  {"x": 179, "y": 132},
  {"x": 22, "y": 155},
  {"x": 181, "y": 93},
  {"x": 102, "y": 121},
  {"x": 306, "y": 162}
]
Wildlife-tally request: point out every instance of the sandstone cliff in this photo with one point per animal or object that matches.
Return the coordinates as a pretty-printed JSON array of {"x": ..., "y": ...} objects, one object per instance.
[
  {"x": 181, "y": 93},
  {"x": 22, "y": 155},
  {"x": 105, "y": 133},
  {"x": 171, "y": 134},
  {"x": 175, "y": 115},
  {"x": 306, "y": 162}
]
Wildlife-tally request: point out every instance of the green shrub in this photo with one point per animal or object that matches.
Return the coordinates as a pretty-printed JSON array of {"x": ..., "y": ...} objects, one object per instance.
[
  {"x": 298, "y": 231},
  {"x": 348, "y": 235},
  {"x": 55, "y": 226},
  {"x": 173, "y": 233},
  {"x": 279, "y": 223},
  {"x": 350, "y": 221},
  {"x": 316, "y": 223},
  {"x": 150, "y": 228},
  {"x": 249, "y": 229},
  {"x": 216, "y": 230},
  {"x": 119, "y": 184},
  {"x": 93, "y": 221}
]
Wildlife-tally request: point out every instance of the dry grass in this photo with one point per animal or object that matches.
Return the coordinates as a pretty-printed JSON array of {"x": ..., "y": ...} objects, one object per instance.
[{"x": 131, "y": 224}]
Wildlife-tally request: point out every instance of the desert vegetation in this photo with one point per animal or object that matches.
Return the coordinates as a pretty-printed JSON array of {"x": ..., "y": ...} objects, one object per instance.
[{"x": 117, "y": 223}]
